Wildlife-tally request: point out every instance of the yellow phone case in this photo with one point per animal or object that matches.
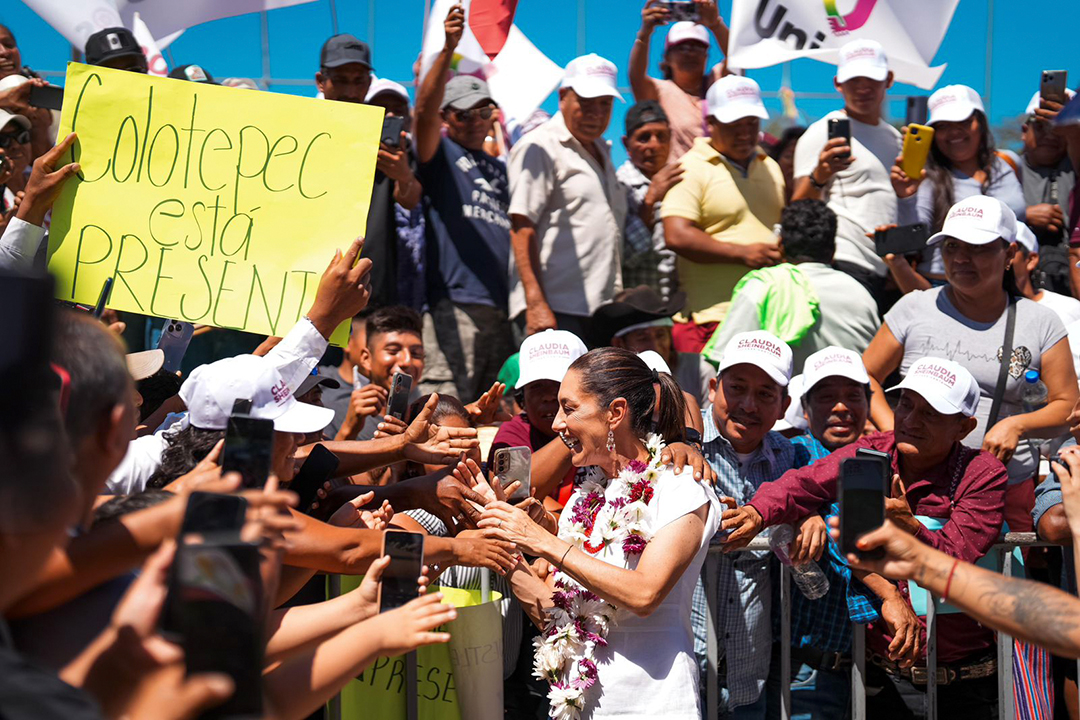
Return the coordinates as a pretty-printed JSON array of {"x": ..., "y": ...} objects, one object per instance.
[{"x": 917, "y": 141}]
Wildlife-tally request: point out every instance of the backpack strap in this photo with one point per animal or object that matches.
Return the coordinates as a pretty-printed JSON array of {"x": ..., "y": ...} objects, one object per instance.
[{"x": 1011, "y": 163}]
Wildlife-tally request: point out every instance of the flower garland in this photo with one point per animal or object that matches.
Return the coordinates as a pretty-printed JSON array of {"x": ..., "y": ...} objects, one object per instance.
[{"x": 607, "y": 518}]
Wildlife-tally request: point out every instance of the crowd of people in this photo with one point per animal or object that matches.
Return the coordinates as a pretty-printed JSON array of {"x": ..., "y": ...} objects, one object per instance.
[{"x": 690, "y": 345}]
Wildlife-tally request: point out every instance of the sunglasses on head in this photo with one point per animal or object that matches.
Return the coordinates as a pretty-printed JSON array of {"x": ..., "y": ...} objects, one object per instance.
[
  {"x": 467, "y": 115},
  {"x": 7, "y": 139}
]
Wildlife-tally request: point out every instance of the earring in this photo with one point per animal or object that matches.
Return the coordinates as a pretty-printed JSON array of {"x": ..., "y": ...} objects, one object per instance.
[{"x": 610, "y": 441}]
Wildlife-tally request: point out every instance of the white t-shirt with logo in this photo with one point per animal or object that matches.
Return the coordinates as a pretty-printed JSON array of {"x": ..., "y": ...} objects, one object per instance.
[{"x": 861, "y": 194}]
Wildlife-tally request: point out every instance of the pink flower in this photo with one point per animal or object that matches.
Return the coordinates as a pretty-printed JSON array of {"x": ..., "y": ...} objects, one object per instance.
[
  {"x": 633, "y": 544},
  {"x": 636, "y": 466}
]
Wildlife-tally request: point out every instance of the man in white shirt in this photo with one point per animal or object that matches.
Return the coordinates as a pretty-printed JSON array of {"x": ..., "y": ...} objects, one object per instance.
[
  {"x": 567, "y": 209},
  {"x": 854, "y": 179},
  {"x": 1025, "y": 262}
]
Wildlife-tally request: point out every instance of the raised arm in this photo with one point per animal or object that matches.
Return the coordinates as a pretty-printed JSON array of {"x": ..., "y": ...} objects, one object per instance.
[
  {"x": 428, "y": 120},
  {"x": 643, "y": 86}
]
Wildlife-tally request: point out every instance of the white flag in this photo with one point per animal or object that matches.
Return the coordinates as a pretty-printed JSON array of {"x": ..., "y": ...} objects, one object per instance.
[
  {"x": 77, "y": 21},
  {"x": 164, "y": 17},
  {"x": 769, "y": 32},
  {"x": 155, "y": 63},
  {"x": 520, "y": 77}
]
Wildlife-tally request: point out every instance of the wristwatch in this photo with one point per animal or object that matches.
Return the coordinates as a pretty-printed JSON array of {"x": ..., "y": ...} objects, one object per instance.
[{"x": 815, "y": 183}]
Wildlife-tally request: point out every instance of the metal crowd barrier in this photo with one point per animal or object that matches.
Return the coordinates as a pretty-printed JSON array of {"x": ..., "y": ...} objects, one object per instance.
[{"x": 1007, "y": 710}]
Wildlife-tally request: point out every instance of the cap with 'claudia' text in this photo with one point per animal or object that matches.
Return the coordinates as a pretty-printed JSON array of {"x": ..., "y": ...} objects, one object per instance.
[
  {"x": 547, "y": 356},
  {"x": 833, "y": 361},
  {"x": 591, "y": 76},
  {"x": 862, "y": 58},
  {"x": 953, "y": 103},
  {"x": 210, "y": 391},
  {"x": 977, "y": 220},
  {"x": 761, "y": 349},
  {"x": 686, "y": 31},
  {"x": 734, "y": 97},
  {"x": 946, "y": 385}
]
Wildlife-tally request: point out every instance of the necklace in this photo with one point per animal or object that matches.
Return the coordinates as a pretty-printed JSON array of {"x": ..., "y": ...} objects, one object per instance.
[{"x": 609, "y": 519}]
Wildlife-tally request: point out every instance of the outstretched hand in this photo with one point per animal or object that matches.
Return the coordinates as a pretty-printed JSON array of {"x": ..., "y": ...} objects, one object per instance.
[
  {"x": 344, "y": 289},
  {"x": 488, "y": 408},
  {"x": 46, "y": 181}
]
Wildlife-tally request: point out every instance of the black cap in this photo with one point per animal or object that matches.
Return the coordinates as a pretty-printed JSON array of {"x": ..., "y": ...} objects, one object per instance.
[
  {"x": 631, "y": 307},
  {"x": 314, "y": 380},
  {"x": 194, "y": 73},
  {"x": 643, "y": 112},
  {"x": 111, "y": 43},
  {"x": 343, "y": 50}
]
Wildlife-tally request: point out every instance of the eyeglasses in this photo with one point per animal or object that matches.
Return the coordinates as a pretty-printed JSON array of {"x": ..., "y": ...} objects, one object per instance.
[
  {"x": 8, "y": 139},
  {"x": 467, "y": 115}
]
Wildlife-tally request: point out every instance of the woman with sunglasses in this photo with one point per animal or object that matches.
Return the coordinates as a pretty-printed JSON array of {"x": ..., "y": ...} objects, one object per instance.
[{"x": 681, "y": 92}]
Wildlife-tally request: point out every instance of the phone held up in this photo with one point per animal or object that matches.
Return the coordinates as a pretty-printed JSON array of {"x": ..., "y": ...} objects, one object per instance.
[
  {"x": 1053, "y": 84},
  {"x": 400, "y": 389},
  {"x": 840, "y": 128},
  {"x": 863, "y": 482},
  {"x": 320, "y": 466},
  {"x": 679, "y": 10},
  {"x": 391, "y": 131},
  {"x": 902, "y": 240},
  {"x": 398, "y": 586},
  {"x": 249, "y": 444},
  {"x": 917, "y": 142},
  {"x": 515, "y": 463}
]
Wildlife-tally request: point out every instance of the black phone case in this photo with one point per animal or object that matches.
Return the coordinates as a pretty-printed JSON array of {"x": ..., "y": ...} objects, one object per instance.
[
  {"x": 840, "y": 127},
  {"x": 316, "y": 470},
  {"x": 901, "y": 240}
]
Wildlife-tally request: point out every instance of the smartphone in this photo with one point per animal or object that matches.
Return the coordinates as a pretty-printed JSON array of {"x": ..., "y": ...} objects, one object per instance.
[
  {"x": 215, "y": 603},
  {"x": 174, "y": 341},
  {"x": 248, "y": 445},
  {"x": 406, "y": 551},
  {"x": 917, "y": 110},
  {"x": 514, "y": 463},
  {"x": 901, "y": 240},
  {"x": 400, "y": 389},
  {"x": 213, "y": 513},
  {"x": 49, "y": 96},
  {"x": 862, "y": 501},
  {"x": 1052, "y": 86},
  {"x": 681, "y": 10},
  {"x": 917, "y": 142},
  {"x": 392, "y": 125},
  {"x": 320, "y": 466},
  {"x": 106, "y": 291},
  {"x": 841, "y": 127}
]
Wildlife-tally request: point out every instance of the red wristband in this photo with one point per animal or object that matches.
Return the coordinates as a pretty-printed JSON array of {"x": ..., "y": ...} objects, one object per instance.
[{"x": 945, "y": 595}]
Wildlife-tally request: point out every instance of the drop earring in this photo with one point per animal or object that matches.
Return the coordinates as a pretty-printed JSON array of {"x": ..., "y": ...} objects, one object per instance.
[{"x": 610, "y": 441}]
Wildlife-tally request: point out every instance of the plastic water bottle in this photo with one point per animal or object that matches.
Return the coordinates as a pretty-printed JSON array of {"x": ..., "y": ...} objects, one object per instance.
[
  {"x": 808, "y": 576},
  {"x": 1034, "y": 394}
]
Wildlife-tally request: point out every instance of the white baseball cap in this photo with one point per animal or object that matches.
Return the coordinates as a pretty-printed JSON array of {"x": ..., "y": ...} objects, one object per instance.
[
  {"x": 547, "y": 356},
  {"x": 978, "y": 220},
  {"x": 1025, "y": 238},
  {"x": 794, "y": 418},
  {"x": 1034, "y": 104},
  {"x": 20, "y": 120},
  {"x": 142, "y": 365},
  {"x": 686, "y": 31},
  {"x": 833, "y": 361},
  {"x": 592, "y": 76},
  {"x": 953, "y": 103},
  {"x": 734, "y": 97},
  {"x": 381, "y": 85},
  {"x": 210, "y": 391},
  {"x": 761, "y": 349},
  {"x": 862, "y": 58},
  {"x": 654, "y": 361},
  {"x": 946, "y": 385}
]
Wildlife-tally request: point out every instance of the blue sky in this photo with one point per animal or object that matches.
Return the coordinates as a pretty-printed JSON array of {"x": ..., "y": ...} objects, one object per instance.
[{"x": 564, "y": 28}]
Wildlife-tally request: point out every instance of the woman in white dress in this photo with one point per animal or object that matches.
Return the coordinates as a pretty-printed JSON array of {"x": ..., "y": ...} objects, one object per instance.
[{"x": 615, "y": 608}]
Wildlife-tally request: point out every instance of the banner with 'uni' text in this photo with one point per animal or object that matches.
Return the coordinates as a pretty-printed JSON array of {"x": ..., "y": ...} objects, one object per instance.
[{"x": 214, "y": 205}]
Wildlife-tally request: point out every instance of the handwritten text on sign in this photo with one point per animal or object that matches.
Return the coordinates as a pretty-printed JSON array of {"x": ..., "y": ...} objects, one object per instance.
[{"x": 209, "y": 204}]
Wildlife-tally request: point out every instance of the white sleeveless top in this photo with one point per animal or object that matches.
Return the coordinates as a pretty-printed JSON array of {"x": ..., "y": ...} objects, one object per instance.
[{"x": 648, "y": 670}]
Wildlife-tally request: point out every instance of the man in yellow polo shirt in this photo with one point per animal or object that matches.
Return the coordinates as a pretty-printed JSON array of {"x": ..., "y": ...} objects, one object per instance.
[{"x": 719, "y": 220}]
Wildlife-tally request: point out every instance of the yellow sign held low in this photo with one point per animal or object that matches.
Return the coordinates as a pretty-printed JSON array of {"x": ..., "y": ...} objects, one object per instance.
[{"x": 208, "y": 204}]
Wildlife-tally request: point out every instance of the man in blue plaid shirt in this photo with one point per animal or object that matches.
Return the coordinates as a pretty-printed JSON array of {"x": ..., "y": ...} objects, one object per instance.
[{"x": 835, "y": 400}]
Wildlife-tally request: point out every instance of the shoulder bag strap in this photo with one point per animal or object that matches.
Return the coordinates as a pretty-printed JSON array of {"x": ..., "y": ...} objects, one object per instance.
[{"x": 1006, "y": 360}]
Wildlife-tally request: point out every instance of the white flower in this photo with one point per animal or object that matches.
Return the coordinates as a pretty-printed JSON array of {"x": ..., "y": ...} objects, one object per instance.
[
  {"x": 548, "y": 663},
  {"x": 589, "y": 487},
  {"x": 620, "y": 486},
  {"x": 566, "y": 703},
  {"x": 654, "y": 444}
]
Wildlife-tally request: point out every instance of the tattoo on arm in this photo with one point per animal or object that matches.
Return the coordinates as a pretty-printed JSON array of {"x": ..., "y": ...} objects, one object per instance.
[{"x": 1038, "y": 613}]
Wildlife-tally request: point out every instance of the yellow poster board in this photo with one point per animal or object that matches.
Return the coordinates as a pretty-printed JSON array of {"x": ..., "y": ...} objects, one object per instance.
[{"x": 209, "y": 204}]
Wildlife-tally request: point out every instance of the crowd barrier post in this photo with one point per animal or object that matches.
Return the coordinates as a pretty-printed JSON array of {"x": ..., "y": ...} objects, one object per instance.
[
  {"x": 1006, "y": 707},
  {"x": 712, "y": 649},
  {"x": 858, "y": 671},
  {"x": 931, "y": 659},
  {"x": 785, "y": 642}
]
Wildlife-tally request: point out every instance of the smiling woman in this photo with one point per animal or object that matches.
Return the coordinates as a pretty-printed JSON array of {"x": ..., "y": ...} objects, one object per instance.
[{"x": 10, "y": 57}]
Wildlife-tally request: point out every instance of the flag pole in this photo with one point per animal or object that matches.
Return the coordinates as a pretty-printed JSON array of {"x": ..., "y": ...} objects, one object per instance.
[
  {"x": 989, "y": 55},
  {"x": 264, "y": 31},
  {"x": 333, "y": 17}
]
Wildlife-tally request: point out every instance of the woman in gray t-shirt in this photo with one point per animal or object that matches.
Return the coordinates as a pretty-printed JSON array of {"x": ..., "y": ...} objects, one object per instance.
[{"x": 965, "y": 321}]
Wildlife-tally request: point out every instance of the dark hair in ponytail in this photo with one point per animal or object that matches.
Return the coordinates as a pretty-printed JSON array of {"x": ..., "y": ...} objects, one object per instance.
[
  {"x": 609, "y": 373},
  {"x": 939, "y": 172}
]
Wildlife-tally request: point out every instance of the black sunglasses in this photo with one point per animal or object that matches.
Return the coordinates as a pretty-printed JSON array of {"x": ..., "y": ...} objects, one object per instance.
[
  {"x": 7, "y": 139},
  {"x": 467, "y": 115}
]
